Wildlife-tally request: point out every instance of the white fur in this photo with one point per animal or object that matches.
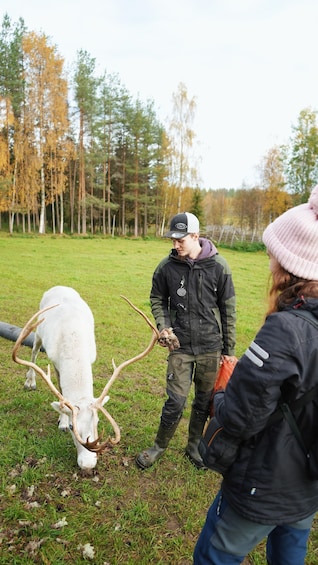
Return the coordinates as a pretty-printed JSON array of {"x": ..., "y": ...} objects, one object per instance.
[{"x": 67, "y": 335}]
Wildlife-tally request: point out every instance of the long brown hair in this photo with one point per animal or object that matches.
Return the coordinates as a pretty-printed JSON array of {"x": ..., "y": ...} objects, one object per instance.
[{"x": 286, "y": 288}]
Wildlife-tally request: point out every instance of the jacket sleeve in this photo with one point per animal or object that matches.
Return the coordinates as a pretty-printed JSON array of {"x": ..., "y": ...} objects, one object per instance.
[
  {"x": 159, "y": 297},
  {"x": 227, "y": 307},
  {"x": 274, "y": 357}
]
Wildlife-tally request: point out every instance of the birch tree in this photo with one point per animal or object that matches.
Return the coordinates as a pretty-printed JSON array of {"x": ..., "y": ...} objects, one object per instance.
[
  {"x": 302, "y": 156},
  {"x": 273, "y": 183},
  {"x": 183, "y": 173},
  {"x": 45, "y": 116}
]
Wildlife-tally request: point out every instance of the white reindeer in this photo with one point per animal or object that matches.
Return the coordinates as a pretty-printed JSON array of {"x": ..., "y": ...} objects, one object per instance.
[{"x": 67, "y": 335}]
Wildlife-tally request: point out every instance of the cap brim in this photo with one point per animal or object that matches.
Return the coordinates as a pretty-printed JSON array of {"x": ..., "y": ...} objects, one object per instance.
[{"x": 175, "y": 234}]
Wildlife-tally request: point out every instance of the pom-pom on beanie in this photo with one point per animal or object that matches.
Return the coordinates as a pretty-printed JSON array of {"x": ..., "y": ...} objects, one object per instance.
[{"x": 293, "y": 239}]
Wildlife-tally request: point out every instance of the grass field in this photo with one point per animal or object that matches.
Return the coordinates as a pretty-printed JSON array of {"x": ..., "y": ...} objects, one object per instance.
[{"x": 49, "y": 512}]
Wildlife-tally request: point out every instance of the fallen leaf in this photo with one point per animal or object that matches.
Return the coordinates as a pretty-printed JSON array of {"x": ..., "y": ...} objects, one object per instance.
[
  {"x": 60, "y": 524},
  {"x": 30, "y": 491},
  {"x": 87, "y": 550},
  {"x": 30, "y": 505},
  {"x": 11, "y": 489}
]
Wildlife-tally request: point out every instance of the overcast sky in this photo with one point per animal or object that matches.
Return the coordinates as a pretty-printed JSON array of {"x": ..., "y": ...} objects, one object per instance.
[{"x": 251, "y": 65}]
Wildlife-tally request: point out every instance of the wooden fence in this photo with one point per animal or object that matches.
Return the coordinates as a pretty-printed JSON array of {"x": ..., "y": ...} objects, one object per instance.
[{"x": 231, "y": 235}]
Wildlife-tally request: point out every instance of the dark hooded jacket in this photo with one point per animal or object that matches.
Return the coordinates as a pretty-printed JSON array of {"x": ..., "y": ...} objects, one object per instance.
[
  {"x": 269, "y": 482},
  {"x": 197, "y": 299}
]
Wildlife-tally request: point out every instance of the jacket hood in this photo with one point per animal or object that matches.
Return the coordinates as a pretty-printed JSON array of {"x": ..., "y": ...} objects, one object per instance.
[
  {"x": 208, "y": 249},
  {"x": 309, "y": 304}
]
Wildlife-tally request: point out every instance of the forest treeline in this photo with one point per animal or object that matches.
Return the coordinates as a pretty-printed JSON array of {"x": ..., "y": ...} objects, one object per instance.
[{"x": 79, "y": 154}]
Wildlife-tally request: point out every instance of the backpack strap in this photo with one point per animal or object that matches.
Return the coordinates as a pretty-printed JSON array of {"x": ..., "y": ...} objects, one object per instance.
[
  {"x": 299, "y": 403},
  {"x": 289, "y": 416}
]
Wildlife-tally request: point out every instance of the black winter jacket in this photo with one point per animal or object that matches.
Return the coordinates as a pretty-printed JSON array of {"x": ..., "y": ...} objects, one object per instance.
[
  {"x": 269, "y": 482},
  {"x": 197, "y": 299}
]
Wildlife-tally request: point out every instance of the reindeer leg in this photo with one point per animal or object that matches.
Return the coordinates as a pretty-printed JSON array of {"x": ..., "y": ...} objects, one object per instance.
[
  {"x": 30, "y": 382},
  {"x": 64, "y": 417}
]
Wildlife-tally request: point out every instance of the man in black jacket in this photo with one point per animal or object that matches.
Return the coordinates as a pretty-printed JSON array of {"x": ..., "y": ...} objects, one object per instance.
[{"x": 192, "y": 293}]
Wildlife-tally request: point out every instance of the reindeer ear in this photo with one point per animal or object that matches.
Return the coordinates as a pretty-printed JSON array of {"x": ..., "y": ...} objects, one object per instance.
[{"x": 61, "y": 410}]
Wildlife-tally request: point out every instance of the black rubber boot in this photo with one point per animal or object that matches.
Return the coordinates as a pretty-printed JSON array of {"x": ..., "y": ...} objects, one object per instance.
[
  {"x": 196, "y": 425},
  {"x": 149, "y": 456}
]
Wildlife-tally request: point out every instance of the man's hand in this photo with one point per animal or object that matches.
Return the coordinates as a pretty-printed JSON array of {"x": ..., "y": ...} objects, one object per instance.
[
  {"x": 168, "y": 339},
  {"x": 230, "y": 358}
]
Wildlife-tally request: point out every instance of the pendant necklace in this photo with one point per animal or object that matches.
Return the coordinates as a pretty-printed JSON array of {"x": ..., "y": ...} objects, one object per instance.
[{"x": 181, "y": 291}]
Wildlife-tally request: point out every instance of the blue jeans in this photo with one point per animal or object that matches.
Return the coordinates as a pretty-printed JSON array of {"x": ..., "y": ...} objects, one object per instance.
[{"x": 227, "y": 538}]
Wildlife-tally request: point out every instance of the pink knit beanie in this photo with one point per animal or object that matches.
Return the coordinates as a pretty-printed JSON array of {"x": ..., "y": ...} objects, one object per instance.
[{"x": 293, "y": 239}]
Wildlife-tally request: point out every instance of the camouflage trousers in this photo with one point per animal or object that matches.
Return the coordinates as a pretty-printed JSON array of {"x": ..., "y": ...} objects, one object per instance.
[{"x": 182, "y": 371}]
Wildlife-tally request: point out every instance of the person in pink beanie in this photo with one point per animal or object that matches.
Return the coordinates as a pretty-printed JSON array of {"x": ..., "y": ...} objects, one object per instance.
[{"x": 270, "y": 406}]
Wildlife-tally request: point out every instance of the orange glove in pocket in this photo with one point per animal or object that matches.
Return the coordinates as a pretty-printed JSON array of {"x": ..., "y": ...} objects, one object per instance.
[
  {"x": 222, "y": 378},
  {"x": 224, "y": 374}
]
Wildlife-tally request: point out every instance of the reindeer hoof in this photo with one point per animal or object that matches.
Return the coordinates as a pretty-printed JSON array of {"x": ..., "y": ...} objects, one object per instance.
[{"x": 29, "y": 387}]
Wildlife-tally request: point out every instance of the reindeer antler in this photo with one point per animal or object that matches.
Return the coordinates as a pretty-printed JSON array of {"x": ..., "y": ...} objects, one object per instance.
[
  {"x": 29, "y": 327},
  {"x": 117, "y": 370}
]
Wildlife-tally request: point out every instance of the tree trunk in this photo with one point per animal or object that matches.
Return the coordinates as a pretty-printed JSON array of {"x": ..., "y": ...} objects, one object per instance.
[{"x": 42, "y": 208}]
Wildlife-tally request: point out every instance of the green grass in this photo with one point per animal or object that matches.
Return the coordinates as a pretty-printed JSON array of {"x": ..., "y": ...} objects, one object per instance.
[{"x": 127, "y": 515}]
